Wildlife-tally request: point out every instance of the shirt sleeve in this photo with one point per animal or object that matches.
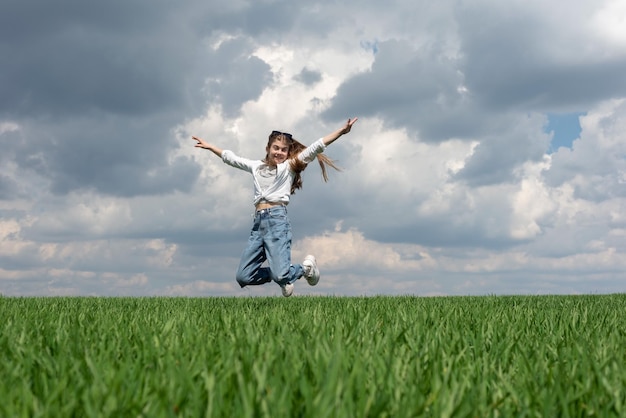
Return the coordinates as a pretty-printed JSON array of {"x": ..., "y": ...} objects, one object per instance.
[
  {"x": 309, "y": 153},
  {"x": 233, "y": 160}
]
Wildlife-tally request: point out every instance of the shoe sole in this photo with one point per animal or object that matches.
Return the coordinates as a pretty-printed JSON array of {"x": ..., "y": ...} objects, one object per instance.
[
  {"x": 312, "y": 281},
  {"x": 287, "y": 292}
]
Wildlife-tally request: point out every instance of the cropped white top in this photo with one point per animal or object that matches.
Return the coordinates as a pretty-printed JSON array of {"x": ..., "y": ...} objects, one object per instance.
[{"x": 278, "y": 190}]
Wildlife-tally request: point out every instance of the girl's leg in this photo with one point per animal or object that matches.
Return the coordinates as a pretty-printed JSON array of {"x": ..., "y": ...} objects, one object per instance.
[
  {"x": 278, "y": 248},
  {"x": 249, "y": 272}
]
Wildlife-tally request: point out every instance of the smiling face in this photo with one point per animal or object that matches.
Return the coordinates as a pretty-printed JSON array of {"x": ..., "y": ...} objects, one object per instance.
[{"x": 277, "y": 151}]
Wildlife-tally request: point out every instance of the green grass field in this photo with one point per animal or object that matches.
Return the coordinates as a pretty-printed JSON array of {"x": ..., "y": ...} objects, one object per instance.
[{"x": 528, "y": 356}]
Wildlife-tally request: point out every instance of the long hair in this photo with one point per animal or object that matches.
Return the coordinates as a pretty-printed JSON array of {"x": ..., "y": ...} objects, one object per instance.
[{"x": 295, "y": 148}]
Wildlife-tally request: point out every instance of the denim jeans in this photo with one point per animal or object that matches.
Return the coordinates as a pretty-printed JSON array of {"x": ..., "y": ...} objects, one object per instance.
[{"x": 270, "y": 239}]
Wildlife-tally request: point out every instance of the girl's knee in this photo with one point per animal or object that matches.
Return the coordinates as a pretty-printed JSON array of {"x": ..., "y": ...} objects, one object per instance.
[{"x": 242, "y": 278}]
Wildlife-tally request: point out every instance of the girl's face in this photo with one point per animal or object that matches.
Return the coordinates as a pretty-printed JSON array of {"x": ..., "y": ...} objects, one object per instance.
[{"x": 277, "y": 151}]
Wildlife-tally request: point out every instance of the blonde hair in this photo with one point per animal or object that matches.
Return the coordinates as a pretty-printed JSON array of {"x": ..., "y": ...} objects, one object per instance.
[{"x": 298, "y": 166}]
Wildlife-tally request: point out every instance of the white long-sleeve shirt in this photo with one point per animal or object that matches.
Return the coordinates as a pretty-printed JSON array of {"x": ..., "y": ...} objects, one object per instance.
[{"x": 279, "y": 190}]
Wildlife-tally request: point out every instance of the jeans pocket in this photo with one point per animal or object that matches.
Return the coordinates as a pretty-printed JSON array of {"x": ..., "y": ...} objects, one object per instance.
[
  {"x": 279, "y": 223},
  {"x": 278, "y": 216},
  {"x": 278, "y": 213}
]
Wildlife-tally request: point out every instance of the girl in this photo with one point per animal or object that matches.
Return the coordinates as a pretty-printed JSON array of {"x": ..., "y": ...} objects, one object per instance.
[{"x": 275, "y": 179}]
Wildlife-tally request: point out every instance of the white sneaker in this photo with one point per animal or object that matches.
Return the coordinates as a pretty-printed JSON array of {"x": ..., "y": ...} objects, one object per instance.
[
  {"x": 287, "y": 289},
  {"x": 311, "y": 272}
]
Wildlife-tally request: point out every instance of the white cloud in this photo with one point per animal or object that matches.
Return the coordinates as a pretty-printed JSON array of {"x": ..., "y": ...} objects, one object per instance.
[
  {"x": 351, "y": 251},
  {"x": 609, "y": 22},
  {"x": 8, "y": 127},
  {"x": 532, "y": 205}
]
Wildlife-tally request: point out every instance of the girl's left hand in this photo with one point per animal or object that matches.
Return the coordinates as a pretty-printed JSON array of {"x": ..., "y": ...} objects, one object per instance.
[{"x": 348, "y": 126}]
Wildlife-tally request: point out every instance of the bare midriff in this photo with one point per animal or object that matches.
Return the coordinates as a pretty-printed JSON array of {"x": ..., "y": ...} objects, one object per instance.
[{"x": 267, "y": 205}]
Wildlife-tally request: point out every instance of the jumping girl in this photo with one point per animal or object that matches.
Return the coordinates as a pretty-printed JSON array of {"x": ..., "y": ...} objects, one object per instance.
[{"x": 275, "y": 179}]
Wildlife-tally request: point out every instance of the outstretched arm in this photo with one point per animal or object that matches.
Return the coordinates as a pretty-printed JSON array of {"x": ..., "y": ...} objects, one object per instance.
[
  {"x": 332, "y": 137},
  {"x": 202, "y": 144}
]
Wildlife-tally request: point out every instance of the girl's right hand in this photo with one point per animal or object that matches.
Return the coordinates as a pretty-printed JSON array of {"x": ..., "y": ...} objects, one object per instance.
[{"x": 201, "y": 143}]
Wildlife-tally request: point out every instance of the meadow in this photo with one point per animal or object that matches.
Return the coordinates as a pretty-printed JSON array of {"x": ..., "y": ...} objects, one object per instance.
[{"x": 489, "y": 356}]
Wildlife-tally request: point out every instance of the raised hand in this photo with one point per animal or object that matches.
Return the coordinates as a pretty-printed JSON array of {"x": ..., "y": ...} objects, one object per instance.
[
  {"x": 348, "y": 126},
  {"x": 203, "y": 144}
]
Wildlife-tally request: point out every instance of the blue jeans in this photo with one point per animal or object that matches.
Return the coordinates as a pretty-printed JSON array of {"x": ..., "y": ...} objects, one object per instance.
[{"x": 270, "y": 239}]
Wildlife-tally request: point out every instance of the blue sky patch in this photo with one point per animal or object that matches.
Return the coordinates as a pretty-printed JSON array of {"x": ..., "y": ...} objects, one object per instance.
[{"x": 565, "y": 127}]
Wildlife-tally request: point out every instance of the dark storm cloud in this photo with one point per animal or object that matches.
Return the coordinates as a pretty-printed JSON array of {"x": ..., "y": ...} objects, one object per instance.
[
  {"x": 8, "y": 188},
  {"x": 97, "y": 88},
  {"x": 267, "y": 20},
  {"x": 419, "y": 90},
  {"x": 515, "y": 59},
  {"x": 75, "y": 57},
  {"x": 438, "y": 233},
  {"x": 496, "y": 158},
  {"x": 561, "y": 87},
  {"x": 112, "y": 155},
  {"x": 507, "y": 61},
  {"x": 269, "y": 16},
  {"x": 245, "y": 78},
  {"x": 400, "y": 222}
]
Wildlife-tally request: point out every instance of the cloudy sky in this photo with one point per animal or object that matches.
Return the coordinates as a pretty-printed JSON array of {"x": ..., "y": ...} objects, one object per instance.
[{"x": 489, "y": 155}]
